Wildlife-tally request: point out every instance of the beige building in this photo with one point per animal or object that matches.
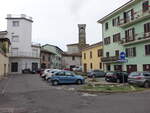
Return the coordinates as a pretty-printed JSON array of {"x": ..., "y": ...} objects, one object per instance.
[
  {"x": 91, "y": 57},
  {"x": 4, "y": 56}
]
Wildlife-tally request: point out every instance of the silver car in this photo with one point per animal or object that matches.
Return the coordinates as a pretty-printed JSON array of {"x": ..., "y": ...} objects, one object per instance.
[{"x": 139, "y": 78}]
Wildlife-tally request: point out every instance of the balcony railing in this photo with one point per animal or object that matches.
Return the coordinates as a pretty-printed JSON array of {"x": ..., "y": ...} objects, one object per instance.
[
  {"x": 137, "y": 17},
  {"x": 137, "y": 38},
  {"x": 110, "y": 59},
  {"x": 24, "y": 54}
]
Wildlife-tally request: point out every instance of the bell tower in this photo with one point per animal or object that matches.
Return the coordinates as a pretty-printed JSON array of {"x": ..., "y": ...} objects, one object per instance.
[{"x": 82, "y": 35}]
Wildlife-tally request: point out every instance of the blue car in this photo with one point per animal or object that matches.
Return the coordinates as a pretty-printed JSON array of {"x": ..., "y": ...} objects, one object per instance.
[{"x": 66, "y": 77}]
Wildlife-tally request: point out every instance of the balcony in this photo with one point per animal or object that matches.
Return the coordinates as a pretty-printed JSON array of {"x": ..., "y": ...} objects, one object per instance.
[
  {"x": 138, "y": 38},
  {"x": 25, "y": 54},
  {"x": 110, "y": 59},
  {"x": 137, "y": 17}
]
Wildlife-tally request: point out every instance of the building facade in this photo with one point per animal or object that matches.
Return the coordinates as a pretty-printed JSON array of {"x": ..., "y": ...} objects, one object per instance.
[
  {"x": 56, "y": 58},
  {"x": 23, "y": 53},
  {"x": 91, "y": 57},
  {"x": 126, "y": 32},
  {"x": 72, "y": 58},
  {"x": 4, "y": 53},
  {"x": 46, "y": 59}
]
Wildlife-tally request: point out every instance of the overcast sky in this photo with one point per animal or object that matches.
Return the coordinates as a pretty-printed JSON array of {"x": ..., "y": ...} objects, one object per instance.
[{"x": 55, "y": 21}]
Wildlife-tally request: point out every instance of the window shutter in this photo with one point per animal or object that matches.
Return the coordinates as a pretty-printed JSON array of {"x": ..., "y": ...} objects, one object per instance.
[
  {"x": 126, "y": 52},
  {"x": 113, "y": 22},
  {"x": 134, "y": 51},
  {"x": 132, "y": 14},
  {"x": 125, "y": 17},
  {"x": 133, "y": 33},
  {"x": 145, "y": 28}
]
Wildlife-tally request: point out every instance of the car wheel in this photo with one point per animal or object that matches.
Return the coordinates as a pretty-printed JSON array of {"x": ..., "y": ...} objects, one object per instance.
[
  {"x": 118, "y": 81},
  {"x": 146, "y": 85},
  {"x": 55, "y": 83},
  {"x": 79, "y": 82}
]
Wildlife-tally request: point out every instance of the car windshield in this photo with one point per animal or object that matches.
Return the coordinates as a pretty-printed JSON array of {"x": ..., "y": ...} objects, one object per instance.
[
  {"x": 110, "y": 73},
  {"x": 69, "y": 73},
  {"x": 135, "y": 74},
  {"x": 96, "y": 70}
]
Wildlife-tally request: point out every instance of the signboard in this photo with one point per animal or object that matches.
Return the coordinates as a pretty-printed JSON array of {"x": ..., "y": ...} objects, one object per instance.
[{"x": 122, "y": 57}]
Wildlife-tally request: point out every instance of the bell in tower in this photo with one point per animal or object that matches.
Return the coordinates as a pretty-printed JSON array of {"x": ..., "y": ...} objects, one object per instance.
[{"x": 82, "y": 36}]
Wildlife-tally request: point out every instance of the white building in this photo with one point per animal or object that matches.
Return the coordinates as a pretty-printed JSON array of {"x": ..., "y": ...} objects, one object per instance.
[{"x": 23, "y": 54}]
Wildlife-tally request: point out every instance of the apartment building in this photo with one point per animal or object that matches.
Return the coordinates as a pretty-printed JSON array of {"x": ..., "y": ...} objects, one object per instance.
[
  {"x": 23, "y": 53},
  {"x": 91, "y": 57},
  {"x": 56, "y": 58},
  {"x": 126, "y": 37},
  {"x": 46, "y": 59}
]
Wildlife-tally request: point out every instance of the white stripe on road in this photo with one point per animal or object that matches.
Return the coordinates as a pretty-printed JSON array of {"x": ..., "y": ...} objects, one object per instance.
[{"x": 6, "y": 85}]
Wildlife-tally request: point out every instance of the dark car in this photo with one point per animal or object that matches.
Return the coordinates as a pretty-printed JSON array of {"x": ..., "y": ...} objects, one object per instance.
[
  {"x": 140, "y": 79},
  {"x": 26, "y": 71},
  {"x": 118, "y": 77},
  {"x": 96, "y": 73}
]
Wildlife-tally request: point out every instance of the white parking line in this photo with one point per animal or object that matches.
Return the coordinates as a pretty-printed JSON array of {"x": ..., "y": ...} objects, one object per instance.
[{"x": 5, "y": 87}]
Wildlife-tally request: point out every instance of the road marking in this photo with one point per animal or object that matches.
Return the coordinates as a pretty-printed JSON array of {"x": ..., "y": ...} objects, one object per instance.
[{"x": 4, "y": 89}]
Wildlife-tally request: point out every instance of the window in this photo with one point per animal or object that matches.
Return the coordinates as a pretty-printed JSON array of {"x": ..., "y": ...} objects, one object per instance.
[
  {"x": 146, "y": 27},
  {"x": 106, "y": 26},
  {"x": 107, "y": 40},
  {"x": 84, "y": 55},
  {"x": 14, "y": 51},
  {"x": 129, "y": 35},
  {"x": 15, "y": 23},
  {"x": 107, "y": 54},
  {"x": 15, "y": 38},
  {"x": 73, "y": 57},
  {"x": 49, "y": 58},
  {"x": 131, "y": 68},
  {"x": 91, "y": 65},
  {"x": 90, "y": 54},
  {"x": 14, "y": 67},
  {"x": 100, "y": 52},
  {"x": 145, "y": 6},
  {"x": 118, "y": 67},
  {"x": 116, "y": 37},
  {"x": 116, "y": 21},
  {"x": 128, "y": 16},
  {"x": 147, "y": 49},
  {"x": 100, "y": 65},
  {"x": 43, "y": 58},
  {"x": 131, "y": 52},
  {"x": 117, "y": 53},
  {"x": 146, "y": 67}
]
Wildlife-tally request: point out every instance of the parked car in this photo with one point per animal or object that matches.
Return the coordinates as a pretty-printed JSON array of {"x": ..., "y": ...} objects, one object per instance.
[
  {"x": 50, "y": 73},
  {"x": 66, "y": 77},
  {"x": 140, "y": 79},
  {"x": 96, "y": 73},
  {"x": 118, "y": 77},
  {"x": 79, "y": 69},
  {"x": 26, "y": 71},
  {"x": 45, "y": 72}
]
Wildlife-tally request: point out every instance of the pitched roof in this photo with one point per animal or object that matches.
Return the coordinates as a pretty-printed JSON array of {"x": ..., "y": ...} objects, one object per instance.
[
  {"x": 72, "y": 54},
  {"x": 93, "y": 45}
]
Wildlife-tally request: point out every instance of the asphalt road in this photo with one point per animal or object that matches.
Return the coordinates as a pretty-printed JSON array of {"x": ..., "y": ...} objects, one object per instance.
[{"x": 30, "y": 94}]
